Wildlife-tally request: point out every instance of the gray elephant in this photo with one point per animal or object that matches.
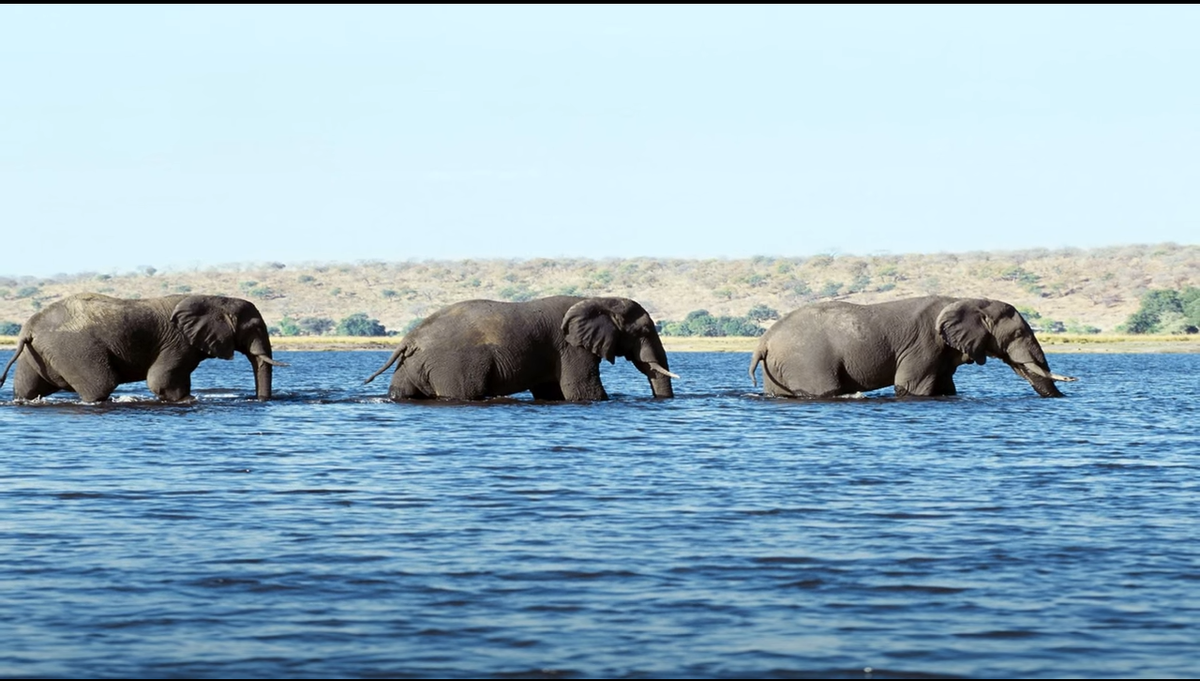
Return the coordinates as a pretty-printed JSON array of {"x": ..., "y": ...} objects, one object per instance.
[
  {"x": 915, "y": 344},
  {"x": 551, "y": 347},
  {"x": 89, "y": 344}
]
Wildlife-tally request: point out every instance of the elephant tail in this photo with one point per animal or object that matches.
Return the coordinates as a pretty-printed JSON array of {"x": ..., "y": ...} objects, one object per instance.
[
  {"x": 21, "y": 343},
  {"x": 760, "y": 354},
  {"x": 402, "y": 353}
]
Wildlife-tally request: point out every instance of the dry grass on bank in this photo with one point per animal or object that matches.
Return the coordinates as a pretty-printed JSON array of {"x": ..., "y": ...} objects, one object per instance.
[{"x": 1096, "y": 288}]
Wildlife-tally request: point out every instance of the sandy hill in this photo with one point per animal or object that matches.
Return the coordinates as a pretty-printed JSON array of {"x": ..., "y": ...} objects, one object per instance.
[{"x": 1096, "y": 288}]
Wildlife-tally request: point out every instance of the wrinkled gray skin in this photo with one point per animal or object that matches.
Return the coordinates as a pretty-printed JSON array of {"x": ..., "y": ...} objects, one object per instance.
[
  {"x": 551, "y": 347},
  {"x": 89, "y": 344},
  {"x": 915, "y": 344}
]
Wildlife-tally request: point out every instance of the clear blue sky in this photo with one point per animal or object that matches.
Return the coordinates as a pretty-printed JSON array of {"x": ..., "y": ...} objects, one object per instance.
[{"x": 195, "y": 136}]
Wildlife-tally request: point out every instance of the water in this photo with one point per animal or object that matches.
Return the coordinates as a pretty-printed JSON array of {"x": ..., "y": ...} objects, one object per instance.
[{"x": 720, "y": 534}]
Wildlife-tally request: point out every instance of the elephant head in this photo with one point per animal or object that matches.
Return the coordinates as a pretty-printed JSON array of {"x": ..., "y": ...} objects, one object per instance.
[
  {"x": 217, "y": 326},
  {"x": 612, "y": 327},
  {"x": 981, "y": 328}
]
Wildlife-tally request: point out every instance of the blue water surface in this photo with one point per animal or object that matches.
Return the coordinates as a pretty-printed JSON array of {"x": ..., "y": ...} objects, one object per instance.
[{"x": 331, "y": 532}]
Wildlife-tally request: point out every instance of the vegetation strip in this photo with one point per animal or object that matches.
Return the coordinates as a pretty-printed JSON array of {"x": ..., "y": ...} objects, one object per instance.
[{"x": 1151, "y": 289}]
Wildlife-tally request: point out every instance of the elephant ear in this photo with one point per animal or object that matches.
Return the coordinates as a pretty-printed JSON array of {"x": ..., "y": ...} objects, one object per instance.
[
  {"x": 964, "y": 327},
  {"x": 206, "y": 325},
  {"x": 590, "y": 325}
]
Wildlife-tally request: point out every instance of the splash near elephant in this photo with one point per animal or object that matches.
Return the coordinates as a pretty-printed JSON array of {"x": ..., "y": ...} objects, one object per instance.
[
  {"x": 89, "y": 344},
  {"x": 551, "y": 347},
  {"x": 915, "y": 344}
]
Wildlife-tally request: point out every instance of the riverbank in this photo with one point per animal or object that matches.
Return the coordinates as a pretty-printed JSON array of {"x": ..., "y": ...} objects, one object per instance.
[{"x": 1051, "y": 343}]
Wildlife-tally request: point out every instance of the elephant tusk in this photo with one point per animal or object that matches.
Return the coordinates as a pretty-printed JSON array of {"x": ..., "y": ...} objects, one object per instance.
[
  {"x": 268, "y": 360},
  {"x": 1038, "y": 371},
  {"x": 658, "y": 368}
]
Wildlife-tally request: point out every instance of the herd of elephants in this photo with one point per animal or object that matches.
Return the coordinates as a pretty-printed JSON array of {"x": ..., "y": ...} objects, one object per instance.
[{"x": 551, "y": 347}]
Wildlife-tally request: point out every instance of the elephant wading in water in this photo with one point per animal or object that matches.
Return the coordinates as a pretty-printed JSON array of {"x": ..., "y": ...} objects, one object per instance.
[
  {"x": 89, "y": 344},
  {"x": 915, "y": 344},
  {"x": 551, "y": 347}
]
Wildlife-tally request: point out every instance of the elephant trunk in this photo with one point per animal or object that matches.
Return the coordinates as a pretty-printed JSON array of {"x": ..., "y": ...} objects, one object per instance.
[
  {"x": 651, "y": 360},
  {"x": 1030, "y": 364},
  {"x": 258, "y": 351},
  {"x": 1044, "y": 385},
  {"x": 661, "y": 385},
  {"x": 262, "y": 378}
]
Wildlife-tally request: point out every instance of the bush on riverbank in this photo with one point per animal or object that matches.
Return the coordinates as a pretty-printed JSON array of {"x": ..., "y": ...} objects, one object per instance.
[
  {"x": 1165, "y": 311},
  {"x": 701, "y": 323}
]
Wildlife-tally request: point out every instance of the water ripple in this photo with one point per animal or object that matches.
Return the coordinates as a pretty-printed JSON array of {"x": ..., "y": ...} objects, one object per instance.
[{"x": 331, "y": 532}]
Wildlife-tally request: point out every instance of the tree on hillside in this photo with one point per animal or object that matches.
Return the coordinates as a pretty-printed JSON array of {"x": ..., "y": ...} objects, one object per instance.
[
  {"x": 359, "y": 324},
  {"x": 762, "y": 313},
  {"x": 702, "y": 323},
  {"x": 288, "y": 327},
  {"x": 1167, "y": 311},
  {"x": 316, "y": 326}
]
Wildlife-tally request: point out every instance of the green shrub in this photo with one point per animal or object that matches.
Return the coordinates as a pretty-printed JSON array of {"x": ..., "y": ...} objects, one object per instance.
[
  {"x": 288, "y": 327},
  {"x": 762, "y": 313},
  {"x": 602, "y": 278},
  {"x": 517, "y": 294},
  {"x": 1166, "y": 311},
  {"x": 701, "y": 323},
  {"x": 316, "y": 326},
  {"x": 860, "y": 284},
  {"x": 359, "y": 324},
  {"x": 830, "y": 289}
]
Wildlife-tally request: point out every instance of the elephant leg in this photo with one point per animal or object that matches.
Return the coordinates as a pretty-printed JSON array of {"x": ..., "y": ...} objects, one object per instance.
[
  {"x": 804, "y": 379},
  {"x": 28, "y": 384},
  {"x": 169, "y": 383},
  {"x": 945, "y": 385},
  {"x": 96, "y": 388},
  {"x": 547, "y": 391},
  {"x": 93, "y": 379},
  {"x": 402, "y": 388},
  {"x": 771, "y": 387},
  {"x": 469, "y": 373},
  {"x": 581, "y": 382},
  {"x": 918, "y": 382}
]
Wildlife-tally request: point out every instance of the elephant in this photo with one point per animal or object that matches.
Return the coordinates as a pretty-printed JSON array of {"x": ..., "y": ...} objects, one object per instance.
[
  {"x": 915, "y": 344},
  {"x": 551, "y": 347},
  {"x": 89, "y": 344}
]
